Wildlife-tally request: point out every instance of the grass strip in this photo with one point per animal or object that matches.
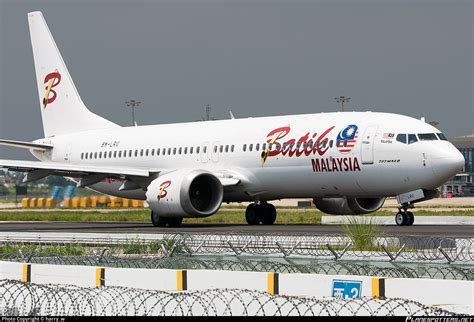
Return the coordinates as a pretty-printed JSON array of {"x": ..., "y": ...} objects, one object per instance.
[{"x": 304, "y": 216}]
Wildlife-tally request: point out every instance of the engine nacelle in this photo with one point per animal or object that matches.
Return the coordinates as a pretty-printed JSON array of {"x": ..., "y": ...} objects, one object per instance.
[
  {"x": 348, "y": 206},
  {"x": 185, "y": 193}
]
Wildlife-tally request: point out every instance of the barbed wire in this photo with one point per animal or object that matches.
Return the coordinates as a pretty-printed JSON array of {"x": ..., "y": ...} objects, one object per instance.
[
  {"x": 417, "y": 248},
  {"x": 63, "y": 300},
  {"x": 232, "y": 263},
  {"x": 405, "y": 248}
]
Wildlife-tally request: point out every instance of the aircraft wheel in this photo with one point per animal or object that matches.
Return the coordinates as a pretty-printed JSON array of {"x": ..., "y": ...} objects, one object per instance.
[
  {"x": 269, "y": 214},
  {"x": 411, "y": 218},
  {"x": 401, "y": 218},
  {"x": 158, "y": 221},
  {"x": 253, "y": 214}
]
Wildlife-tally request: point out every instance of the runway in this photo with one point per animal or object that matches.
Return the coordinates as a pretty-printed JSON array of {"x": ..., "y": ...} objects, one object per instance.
[{"x": 147, "y": 228}]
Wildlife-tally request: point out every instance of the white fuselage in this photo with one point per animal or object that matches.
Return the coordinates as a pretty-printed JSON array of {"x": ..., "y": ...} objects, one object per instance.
[{"x": 371, "y": 164}]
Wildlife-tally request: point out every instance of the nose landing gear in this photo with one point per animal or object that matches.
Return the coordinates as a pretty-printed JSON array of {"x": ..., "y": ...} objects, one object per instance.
[
  {"x": 261, "y": 212},
  {"x": 404, "y": 217}
]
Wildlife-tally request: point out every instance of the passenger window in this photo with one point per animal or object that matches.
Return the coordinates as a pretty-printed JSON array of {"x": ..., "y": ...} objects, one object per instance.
[
  {"x": 130, "y": 153},
  {"x": 264, "y": 146},
  {"x": 157, "y": 151},
  {"x": 169, "y": 151},
  {"x": 120, "y": 154},
  {"x": 412, "y": 138},
  {"x": 244, "y": 148},
  {"x": 215, "y": 148},
  {"x": 427, "y": 137},
  {"x": 152, "y": 152},
  {"x": 310, "y": 144},
  {"x": 174, "y": 151},
  {"x": 442, "y": 137},
  {"x": 226, "y": 148},
  {"x": 232, "y": 148},
  {"x": 179, "y": 150},
  {"x": 191, "y": 150},
  {"x": 250, "y": 147},
  {"x": 257, "y": 147},
  {"x": 221, "y": 149},
  {"x": 186, "y": 150},
  {"x": 402, "y": 138},
  {"x": 330, "y": 144},
  {"x": 85, "y": 156},
  {"x": 204, "y": 149},
  {"x": 82, "y": 155},
  {"x": 136, "y": 153}
]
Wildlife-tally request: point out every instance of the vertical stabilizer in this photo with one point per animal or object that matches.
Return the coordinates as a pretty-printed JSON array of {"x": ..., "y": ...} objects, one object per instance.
[{"x": 62, "y": 109}]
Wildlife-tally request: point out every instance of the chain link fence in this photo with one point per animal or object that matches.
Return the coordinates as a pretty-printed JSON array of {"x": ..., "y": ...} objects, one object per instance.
[{"x": 59, "y": 300}]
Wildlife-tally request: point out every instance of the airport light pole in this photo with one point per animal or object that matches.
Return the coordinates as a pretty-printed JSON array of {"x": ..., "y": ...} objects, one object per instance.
[
  {"x": 132, "y": 104},
  {"x": 342, "y": 100}
]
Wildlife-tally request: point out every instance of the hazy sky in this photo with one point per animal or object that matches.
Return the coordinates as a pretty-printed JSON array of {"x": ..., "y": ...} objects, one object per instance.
[{"x": 255, "y": 57}]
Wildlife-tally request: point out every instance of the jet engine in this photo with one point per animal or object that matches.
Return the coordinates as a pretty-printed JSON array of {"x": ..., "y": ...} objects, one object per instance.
[
  {"x": 185, "y": 193},
  {"x": 348, "y": 205}
]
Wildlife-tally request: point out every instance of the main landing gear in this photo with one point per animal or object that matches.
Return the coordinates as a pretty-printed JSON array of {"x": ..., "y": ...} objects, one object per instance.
[
  {"x": 260, "y": 212},
  {"x": 404, "y": 217},
  {"x": 160, "y": 221}
]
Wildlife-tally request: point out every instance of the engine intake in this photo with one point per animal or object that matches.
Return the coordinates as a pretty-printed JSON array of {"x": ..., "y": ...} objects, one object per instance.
[
  {"x": 185, "y": 193},
  {"x": 348, "y": 205}
]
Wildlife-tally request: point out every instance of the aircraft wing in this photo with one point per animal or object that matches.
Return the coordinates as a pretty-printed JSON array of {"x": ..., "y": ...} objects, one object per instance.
[{"x": 90, "y": 174}]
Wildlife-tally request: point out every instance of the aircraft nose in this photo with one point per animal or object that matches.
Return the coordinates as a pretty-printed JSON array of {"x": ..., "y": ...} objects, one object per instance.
[{"x": 449, "y": 163}]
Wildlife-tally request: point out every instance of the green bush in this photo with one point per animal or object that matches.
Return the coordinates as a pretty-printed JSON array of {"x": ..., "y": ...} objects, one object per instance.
[{"x": 361, "y": 232}]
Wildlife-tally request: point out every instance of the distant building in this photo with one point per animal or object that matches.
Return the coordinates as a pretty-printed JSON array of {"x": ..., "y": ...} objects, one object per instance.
[{"x": 462, "y": 183}]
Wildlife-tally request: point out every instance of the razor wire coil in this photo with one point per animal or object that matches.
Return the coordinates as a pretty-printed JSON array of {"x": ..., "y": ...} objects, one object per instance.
[{"x": 17, "y": 298}]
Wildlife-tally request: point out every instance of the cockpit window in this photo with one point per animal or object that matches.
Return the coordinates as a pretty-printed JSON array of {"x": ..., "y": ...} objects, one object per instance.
[
  {"x": 442, "y": 137},
  {"x": 412, "y": 138},
  {"x": 427, "y": 137},
  {"x": 402, "y": 138}
]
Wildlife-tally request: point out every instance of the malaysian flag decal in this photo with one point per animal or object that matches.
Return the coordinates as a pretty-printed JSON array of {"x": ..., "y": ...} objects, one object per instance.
[{"x": 346, "y": 139}]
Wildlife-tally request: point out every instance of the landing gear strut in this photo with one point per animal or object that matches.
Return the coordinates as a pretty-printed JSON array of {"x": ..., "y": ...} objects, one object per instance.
[
  {"x": 404, "y": 217},
  {"x": 160, "y": 221},
  {"x": 262, "y": 212}
]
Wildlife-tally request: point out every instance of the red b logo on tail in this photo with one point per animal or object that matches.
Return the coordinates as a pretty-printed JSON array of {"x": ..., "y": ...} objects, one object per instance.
[{"x": 52, "y": 79}]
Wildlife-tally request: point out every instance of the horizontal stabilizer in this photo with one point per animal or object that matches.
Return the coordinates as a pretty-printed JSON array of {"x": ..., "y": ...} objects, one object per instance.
[{"x": 26, "y": 145}]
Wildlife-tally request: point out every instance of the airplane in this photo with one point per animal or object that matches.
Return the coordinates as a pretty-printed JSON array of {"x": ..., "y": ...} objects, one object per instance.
[{"x": 346, "y": 162}]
